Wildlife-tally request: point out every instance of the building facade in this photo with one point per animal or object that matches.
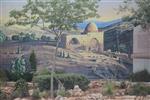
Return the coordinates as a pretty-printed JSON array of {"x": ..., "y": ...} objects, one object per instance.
[
  {"x": 141, "y": 49},
  {"x": 91, "y": 40}
]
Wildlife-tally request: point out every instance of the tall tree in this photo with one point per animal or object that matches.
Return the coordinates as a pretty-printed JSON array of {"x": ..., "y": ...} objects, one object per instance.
[
  {"x": 33, "y": 61},
  {"x": 56, "y": 17},
  {"x": 139, "y": 11}
]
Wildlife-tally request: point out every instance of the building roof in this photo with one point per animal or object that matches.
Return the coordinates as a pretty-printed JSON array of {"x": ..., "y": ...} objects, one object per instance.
[{"x": 99, "y": 24}]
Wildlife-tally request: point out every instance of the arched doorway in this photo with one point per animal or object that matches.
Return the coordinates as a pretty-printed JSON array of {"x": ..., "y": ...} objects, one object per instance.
[{"x": 94, "y": 45}]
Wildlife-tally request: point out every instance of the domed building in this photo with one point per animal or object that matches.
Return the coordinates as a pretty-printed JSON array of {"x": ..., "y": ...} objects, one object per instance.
[
  {"x": 91, "y": 27},
  {"x": 91, "y": 40}
]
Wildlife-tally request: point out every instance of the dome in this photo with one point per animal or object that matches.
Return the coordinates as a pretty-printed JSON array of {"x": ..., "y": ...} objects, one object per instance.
[{"x": 91, "y": 27}]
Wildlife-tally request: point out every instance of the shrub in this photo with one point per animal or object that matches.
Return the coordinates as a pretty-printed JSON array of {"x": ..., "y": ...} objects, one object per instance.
[
  {"x": 27, "y": 76},
  {"x": 33, "y": 61},
  {"x": 142, "y": 76},
  {"x": 3, "y": 76},
  {"x": 21, "y": 89},
  {"x": 109, "y": 88},
  {"x": 23, "y": 37},
  {"x": 15, "y": 37},
  {"x": 33, "y": 36},
  {"x": 140, "y": 90},
  {"x": 43, "y": 72},
  {"x": 45, "y": 38},
  {"x": 3, "y": 96},
  {"x": 27, "y": 38},
  {"x": 123, "y": 85},
  {"x": 62, "y": 92},
  {"x": 44, "y": 94},
  {"x": 36, "y": 94},
  {"x": 48, "y": 72},
  {"x": 12, "y": 76},
  {"x": 69, "y": 81}
]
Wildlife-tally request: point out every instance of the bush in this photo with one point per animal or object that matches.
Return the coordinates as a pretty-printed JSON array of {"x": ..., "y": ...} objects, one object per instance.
[
  {"x": 3, "y": 96},
  {"x": 62, "y": 92},
  {"x": 123, "y": 85},
  {"x": 26, "y": 76},
  {"x": 28, "y": 37},
  {"x": 44, "y": 94},
  {"x": 21, "y": 89},
  {"x": 142, "y": 76},
  {"x": 68, "y": 81},
  {"x": 15, "y": 37},
  {"x": 43, "y": 72},
  {"x": 48, "y": 72},
  {"x": 24, "y": 37},
  {"x": 45, "y": 38},
  {"x": 140, "y": 90},
  {"x": 36, "y": 94},
  {"x": 109, "y": 88},
  {"x": 3, "y": 76}
]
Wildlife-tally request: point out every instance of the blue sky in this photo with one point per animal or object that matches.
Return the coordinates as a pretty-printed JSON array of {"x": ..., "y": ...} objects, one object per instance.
[{"x": 107, "y": 9}]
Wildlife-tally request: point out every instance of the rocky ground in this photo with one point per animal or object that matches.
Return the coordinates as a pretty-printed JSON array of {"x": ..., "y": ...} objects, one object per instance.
[{"x": 95, "y": 92}]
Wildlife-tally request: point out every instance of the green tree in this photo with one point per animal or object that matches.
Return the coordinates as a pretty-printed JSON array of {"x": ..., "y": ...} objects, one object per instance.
[
  {"x": 33, "y": 61},
  {"x": 18, "y": 67},
  {"x": 139, "y": 9},
  {"x": 56, "y": 16}
]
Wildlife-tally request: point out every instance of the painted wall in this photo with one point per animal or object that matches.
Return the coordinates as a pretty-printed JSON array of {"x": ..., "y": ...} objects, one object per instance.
[{"x": 141, "y": 49}]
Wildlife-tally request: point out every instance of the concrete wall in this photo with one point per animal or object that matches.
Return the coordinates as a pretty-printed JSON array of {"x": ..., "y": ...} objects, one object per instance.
[{"x": 141, "y": 49}]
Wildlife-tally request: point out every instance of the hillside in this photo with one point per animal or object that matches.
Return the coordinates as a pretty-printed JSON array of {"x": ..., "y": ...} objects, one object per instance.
[{"x": 103, "y": 67}]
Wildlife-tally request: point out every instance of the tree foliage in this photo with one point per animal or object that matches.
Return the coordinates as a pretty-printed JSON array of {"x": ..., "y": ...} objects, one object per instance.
[
  {"x": 55, "y": 16},
  {"x": 139, "y": 9}
]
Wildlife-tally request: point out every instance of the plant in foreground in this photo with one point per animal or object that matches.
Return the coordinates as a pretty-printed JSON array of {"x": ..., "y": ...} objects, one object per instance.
[
  {"x": 109, "y": 89},
  {"x": 36, "y": 94},
  {"x": 21, "y": 89}
]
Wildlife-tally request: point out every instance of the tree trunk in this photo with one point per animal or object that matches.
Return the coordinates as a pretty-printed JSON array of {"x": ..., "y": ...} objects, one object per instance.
[{"x": 53, "y": 68}]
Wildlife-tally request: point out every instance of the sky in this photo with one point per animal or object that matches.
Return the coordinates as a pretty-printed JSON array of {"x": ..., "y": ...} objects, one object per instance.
[{"x": 108, "y": 9}]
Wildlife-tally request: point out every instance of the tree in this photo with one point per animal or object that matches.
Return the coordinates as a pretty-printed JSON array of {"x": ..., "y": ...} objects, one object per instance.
[
  {"x": 2, "y": 36},
  {"x": 33, "y": 61},
  {"x": 139, "y": 9},
  {"x": 56, "y": 17},
  {"x": 18, "y": 67}
]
